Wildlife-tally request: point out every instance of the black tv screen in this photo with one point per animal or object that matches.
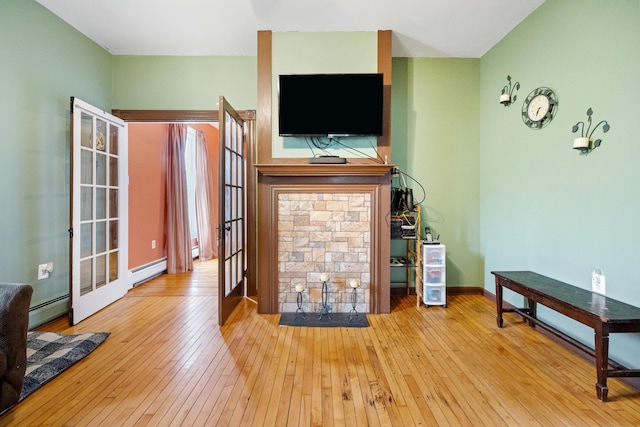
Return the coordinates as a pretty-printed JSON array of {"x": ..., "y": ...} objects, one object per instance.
[{"x": 330, "y": 104}]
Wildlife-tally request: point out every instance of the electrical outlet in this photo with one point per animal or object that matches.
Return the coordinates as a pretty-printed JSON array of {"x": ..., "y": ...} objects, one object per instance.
[
  {"x": 598, "y": 281},
  {"x": 43, "y": 271},
  {"x": 153, "y": 244}
]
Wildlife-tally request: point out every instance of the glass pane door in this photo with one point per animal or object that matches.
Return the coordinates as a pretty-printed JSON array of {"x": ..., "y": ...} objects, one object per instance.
[
  {"x": 232, "y": 252},
  {"x": 98, "y": 219}
]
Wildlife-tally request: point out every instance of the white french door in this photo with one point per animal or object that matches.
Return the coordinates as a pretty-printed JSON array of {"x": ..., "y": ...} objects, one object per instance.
[{"x": 99, "y": 209}]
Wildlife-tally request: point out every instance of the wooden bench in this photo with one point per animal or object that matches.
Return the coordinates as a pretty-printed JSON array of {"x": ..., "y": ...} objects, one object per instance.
[{"x": 605, "y": 315}]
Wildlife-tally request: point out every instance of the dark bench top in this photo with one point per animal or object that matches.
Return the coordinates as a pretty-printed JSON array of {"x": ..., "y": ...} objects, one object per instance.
[{"x": 608, "y": 309}]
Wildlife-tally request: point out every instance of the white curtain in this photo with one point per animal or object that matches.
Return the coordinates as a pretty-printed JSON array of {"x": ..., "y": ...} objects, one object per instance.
[
  {"x": 205, "y": 201},
  {"x": 179, "y": 258}
]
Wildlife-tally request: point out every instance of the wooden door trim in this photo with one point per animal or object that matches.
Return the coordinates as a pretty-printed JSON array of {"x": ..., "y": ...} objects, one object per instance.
[
  {"x": 176, "y": 115},
  {"x": 160, "y": 116}
]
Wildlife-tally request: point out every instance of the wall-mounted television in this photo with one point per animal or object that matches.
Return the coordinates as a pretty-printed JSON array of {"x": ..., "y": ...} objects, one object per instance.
[{"x": 330, "y": 104}]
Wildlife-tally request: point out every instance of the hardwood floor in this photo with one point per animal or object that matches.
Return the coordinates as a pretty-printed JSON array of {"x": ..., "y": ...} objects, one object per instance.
[{"x": 167, "y": 363}]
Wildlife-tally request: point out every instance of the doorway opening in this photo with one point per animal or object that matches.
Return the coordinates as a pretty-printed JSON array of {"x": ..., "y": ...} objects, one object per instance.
[
  {"x": 148, "y": 194},
  {"x": 196, "y": 116}
]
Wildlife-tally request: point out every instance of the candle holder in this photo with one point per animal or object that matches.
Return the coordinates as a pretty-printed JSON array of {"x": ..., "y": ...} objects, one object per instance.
[
  {"x": 354, "y": 299},
  {"x": 506, "y": 95},
  {"x": 325, "y": 296},
  {"x": 300, "y": 310},
  {"x": 584, "y": 142}
]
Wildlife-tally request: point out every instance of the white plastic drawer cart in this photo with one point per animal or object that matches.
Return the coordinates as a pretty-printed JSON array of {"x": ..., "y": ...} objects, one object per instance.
[{"x": 434, "y": 275}]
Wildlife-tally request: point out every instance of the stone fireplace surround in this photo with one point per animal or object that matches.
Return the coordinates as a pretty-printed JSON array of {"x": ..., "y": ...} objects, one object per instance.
[
  {"x": 328, "y": 232},
  {"x": 323, "y": 218}
]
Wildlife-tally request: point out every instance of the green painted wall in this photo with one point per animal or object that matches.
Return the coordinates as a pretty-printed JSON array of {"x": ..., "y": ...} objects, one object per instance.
[
  {"x": 184, "y": 82},
  {"x": 44, "y": 62},
  {"x": 435, "y": 125},
  {"x": 543, "y": 206}
]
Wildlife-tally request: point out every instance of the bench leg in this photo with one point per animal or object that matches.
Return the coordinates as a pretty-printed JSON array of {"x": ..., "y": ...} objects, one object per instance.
[
  {"x": 531, "y": 306},
  {"x": 602, "y": 359},
  {"x": 498, "y": 303}
]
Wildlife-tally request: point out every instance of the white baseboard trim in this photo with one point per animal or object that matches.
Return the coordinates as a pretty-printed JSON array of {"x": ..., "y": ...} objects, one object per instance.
[{"x": 146, "y": 272}]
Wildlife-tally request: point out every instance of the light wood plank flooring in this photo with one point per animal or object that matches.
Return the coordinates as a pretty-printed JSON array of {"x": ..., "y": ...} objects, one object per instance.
[{"x": 167, "y": 363}]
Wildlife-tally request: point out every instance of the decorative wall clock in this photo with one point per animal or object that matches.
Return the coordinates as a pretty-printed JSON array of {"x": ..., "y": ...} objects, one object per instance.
[{"x": 539, "y": 108}]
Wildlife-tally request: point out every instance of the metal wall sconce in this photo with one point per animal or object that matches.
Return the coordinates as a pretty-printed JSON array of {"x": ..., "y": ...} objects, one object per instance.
[
  {"x": 506, "y": 96},
  {"x": 584, "y": 142}
]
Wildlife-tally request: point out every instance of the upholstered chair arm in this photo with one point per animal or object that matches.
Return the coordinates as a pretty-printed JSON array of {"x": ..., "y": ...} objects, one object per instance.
[{"x": 14, "y": 324}]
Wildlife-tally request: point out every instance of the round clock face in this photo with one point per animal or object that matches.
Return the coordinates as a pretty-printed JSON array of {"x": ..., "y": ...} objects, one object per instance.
[{"x": 539, "y": 108}]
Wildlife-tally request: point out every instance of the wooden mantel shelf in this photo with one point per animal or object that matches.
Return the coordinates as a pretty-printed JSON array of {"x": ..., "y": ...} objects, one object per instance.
[{"x": 349, "y": 169}]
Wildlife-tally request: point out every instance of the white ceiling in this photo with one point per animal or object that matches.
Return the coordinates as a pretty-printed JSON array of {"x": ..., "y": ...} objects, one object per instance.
[{"x": 421, "y": 28}]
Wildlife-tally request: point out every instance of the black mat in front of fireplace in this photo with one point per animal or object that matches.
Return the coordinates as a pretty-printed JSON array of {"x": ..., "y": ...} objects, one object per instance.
[{"x": 314, "y": 320}]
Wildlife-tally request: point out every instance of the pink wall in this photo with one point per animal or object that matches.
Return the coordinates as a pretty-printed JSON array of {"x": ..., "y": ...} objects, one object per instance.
[
  {"x": 146, "y": 192},
  {"x": 147, "y": 188}
]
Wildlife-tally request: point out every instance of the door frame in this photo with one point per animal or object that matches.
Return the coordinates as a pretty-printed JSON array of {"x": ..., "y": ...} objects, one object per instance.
[{"x": 249, "y": 116}]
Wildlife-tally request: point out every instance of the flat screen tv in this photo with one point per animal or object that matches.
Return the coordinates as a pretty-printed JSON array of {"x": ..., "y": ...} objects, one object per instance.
[{"x": 330, "y": 104}]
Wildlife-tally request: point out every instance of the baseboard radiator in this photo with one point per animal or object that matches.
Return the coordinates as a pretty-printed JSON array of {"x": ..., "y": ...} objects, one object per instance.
[
  {"x": 48, "y": 310},
  {"x": 147, "y": 272},
  {"x": 136, "y": 276}
]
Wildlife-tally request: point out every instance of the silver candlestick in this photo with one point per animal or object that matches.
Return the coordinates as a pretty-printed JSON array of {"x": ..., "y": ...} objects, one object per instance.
[
  {"x": 300, "y": 310},
  {"x": 325, "y": 296},
  {"x": 354, "y": 298}
]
